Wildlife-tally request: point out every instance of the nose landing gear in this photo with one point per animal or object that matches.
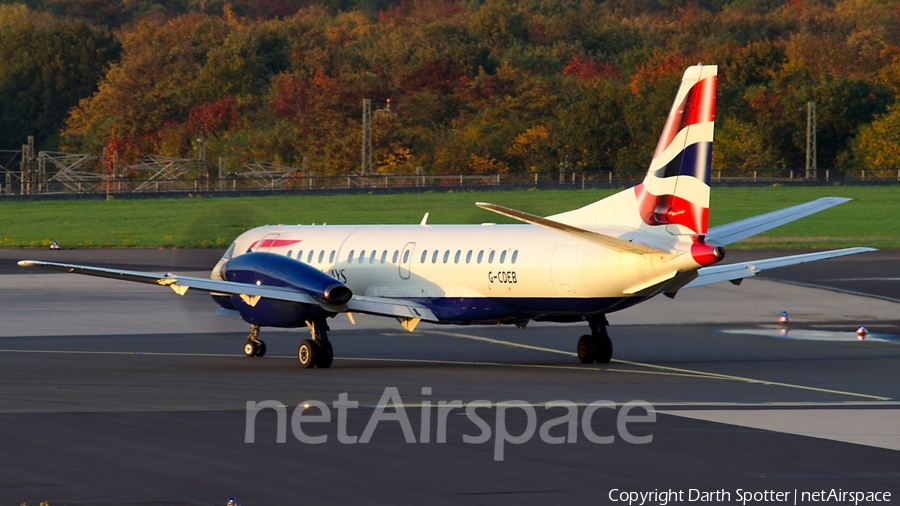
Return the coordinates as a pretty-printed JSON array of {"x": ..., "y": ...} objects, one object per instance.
[{"x": 254, "y": 347}]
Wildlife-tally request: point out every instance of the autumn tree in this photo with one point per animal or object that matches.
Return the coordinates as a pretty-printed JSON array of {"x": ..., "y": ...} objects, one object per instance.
[
  {"x": 488, "y": 86},
  {"x": 143, "y": 94}
]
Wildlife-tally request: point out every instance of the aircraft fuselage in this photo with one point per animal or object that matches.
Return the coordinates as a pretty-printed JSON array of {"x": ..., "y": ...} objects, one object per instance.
[{"x": 473, "y": 273}]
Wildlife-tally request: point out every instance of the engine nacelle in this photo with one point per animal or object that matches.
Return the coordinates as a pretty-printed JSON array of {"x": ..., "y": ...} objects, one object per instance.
[{"x": 269, "y": 269}]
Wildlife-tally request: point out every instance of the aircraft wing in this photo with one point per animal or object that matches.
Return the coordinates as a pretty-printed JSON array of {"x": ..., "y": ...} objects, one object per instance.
[
  {"x": 250, "y": 293},
  {"x": 736, "y": 272},
  {"x": 610, "y": 242},
  {"x": 735, "y": 231}
]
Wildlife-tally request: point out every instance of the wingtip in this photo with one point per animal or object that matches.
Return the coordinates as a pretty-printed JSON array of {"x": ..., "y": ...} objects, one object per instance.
[{"x": 27, "y": 263}]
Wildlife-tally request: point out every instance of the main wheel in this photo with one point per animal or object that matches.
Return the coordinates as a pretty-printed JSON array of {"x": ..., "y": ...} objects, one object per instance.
[
  {"x": 250, "y": 349},
  {"x": 260, "y": 349},
  {"x": 587, "y": 349},
  {"x": 326, "y": 355},
  {"x": 604, "y": 350},
  {"x": 308, "y": 353}
]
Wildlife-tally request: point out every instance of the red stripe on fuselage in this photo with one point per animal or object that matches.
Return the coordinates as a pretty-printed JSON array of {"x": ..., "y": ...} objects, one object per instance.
[
  {"x": 669, "y": 209},
  {"x": 273, "y": 243}
]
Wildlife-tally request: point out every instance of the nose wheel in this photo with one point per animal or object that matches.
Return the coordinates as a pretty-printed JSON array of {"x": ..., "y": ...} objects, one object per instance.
[{"x": 254, "y": 347}]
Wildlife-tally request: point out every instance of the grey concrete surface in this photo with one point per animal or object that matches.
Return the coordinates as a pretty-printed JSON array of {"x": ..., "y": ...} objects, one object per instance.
[{"x": 117, "y": 393}]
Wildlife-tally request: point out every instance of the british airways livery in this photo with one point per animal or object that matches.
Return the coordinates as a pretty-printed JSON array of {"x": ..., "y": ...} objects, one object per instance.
[{"x": 576, "y": 266}]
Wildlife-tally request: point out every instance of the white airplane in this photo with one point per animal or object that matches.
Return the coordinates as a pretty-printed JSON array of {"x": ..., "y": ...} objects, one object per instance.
[{"x": 570, "y": 267}]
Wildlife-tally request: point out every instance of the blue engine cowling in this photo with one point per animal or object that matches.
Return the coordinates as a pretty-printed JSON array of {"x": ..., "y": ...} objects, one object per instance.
[{"x": 269, "y": 269}]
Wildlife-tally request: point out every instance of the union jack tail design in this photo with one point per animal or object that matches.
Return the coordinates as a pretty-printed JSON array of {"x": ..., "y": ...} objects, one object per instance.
[{"x": 675, "y": 192}]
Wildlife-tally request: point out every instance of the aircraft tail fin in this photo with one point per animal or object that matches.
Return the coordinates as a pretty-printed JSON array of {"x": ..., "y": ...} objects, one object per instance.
[
  {"x": 674, "y": 195},
  {"x": 675, "y": 192}
]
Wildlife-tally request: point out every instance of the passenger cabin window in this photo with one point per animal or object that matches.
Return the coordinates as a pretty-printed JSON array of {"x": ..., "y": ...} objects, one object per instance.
[
  {"x": 502, "y": 256},
  {"x": 372, "y": 258},
  {"x": 424, "y": 255},
  {"x": 406, "y": 256},
  {"x": 309, "y": 258},
  {"x": 321, "y": 256},
  {"x": 514, "y": 256},
  {"x": 300, "y": 255},
  {"x": 362, "y": 256},
  {"x": 446, "y": 256},
  {"x": 396, "y": 255},
  {"x": 289, "y": 253},
  {"x": 480, "y": 255},
  {"x": 456, "y": 256},
  {"x": 331, "y": 257},
  {"x": 469, "y": 256},
  {"x": 491, "y": 257},
  {"x": 434, "y": 257},
  {"x": 350, "y": 257}
]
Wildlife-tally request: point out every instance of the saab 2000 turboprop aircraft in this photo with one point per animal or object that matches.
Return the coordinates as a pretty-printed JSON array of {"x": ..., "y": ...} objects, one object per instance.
[{"x": 570, "y": 267}]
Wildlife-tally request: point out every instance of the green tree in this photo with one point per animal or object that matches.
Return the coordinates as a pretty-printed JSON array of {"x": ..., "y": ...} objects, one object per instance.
[
  {"x": 593, "y": 128},
  {"x": 45, "y": 72}
]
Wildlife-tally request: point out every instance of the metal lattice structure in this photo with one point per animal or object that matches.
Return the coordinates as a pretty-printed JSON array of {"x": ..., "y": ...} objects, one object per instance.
[
  {"x": 164, "y": 173},
  {"x": 8, "y": 176},
  {"x": 30, "y": 179},
  {"x": 366, "y": 165},
  {"x": 270, "y": 176},
  {"x": 811, "y": 140},
  {"x": 73, "y": 172}
]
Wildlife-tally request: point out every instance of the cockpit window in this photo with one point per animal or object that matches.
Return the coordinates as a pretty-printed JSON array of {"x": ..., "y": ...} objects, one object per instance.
[{"x": 229, "y": 252}]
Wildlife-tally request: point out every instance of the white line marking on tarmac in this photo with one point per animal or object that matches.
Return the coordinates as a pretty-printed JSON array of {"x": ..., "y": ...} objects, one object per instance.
[
  {"x": 833, "y": 289},
  {"x": 669, "y": 369},
  {"x": 675, "y": 408},
  {"x": 870, "y": 427},
  {"x": 149, "y": 353},
  {"x": 861, "y": 279},
  {"x": 656, "y": 369}
]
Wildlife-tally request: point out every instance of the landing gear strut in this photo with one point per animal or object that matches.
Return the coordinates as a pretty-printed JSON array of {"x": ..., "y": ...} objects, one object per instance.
[
  {"x": 596, "y": 347},
  {"x": 317, "y": 350},
  {"x": 254, "y": 347}
]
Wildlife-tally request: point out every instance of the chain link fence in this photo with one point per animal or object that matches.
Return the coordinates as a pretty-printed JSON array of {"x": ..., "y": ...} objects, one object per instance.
[{"x": 49, "y": 173}]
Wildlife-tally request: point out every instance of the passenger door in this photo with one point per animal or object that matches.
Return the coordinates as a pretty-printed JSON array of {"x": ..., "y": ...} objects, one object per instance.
[{"x": 406, "y": 259}]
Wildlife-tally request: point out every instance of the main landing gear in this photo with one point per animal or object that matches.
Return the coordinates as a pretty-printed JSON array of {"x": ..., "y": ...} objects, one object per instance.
[
  {"x": 316, "y": 351},
  {"x": 313, "y": 352},
  {"x": 254, "y": 347},
  {"x": 596, "y": 347}
]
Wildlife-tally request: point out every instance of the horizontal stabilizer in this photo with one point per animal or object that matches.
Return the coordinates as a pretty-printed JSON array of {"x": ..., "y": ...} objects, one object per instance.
[
  {"x": 608, "y": 241},
  {"x": 733, "y": 272},
  {"x": 381, "y": 306},
  {"x": 735, "y": 231}
]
